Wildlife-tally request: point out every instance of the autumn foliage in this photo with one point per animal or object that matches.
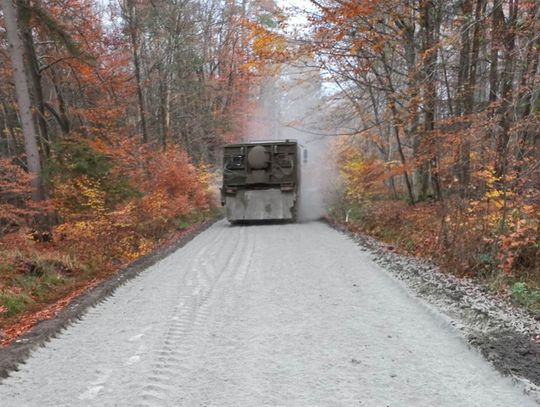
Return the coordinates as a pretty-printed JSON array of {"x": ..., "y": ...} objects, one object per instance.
[
  {"x": 105, "y": 216},
  {"x": 434, "y": 105},
  {"x": 492, "y": 235},
  {"x": 109, "y": 195},
  {"x": 444, "y": 100},
  {"x": 15, "y": 189}
]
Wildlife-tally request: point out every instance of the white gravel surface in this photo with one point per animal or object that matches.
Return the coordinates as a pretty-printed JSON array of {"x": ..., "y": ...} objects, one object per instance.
[{"x": 269, "y": 315}]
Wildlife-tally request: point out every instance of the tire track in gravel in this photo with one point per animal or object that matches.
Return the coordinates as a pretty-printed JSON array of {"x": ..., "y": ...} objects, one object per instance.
[
  {"x": 173, "y": 306},
  {"x": 170, "y": 304},
  {"x": 220, "y": 306},
  {"x": 191, "y": 315},
  {"x": 273, "y": 315},
  {"x": 156, "y": 385}
]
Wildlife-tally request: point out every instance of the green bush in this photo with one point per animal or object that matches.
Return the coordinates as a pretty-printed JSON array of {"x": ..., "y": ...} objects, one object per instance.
[
  {"x": 76, "y": 158},
  {"x": 14, "y": 303},
  {"x": 526, "y": 296}
]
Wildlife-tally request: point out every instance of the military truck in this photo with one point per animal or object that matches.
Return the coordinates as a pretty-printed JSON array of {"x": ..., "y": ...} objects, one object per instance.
[{"x": 261, "y": 180}]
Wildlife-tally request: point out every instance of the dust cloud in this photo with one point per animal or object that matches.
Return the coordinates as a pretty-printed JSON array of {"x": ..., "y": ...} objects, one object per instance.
[{"x": 291, "y": 107}]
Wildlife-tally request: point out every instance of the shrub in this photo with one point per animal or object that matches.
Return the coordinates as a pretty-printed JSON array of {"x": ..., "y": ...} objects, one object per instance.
[{"x": 13, "y": 303}]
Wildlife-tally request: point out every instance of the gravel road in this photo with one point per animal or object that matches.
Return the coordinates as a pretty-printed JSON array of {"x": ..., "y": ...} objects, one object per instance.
[{"x": 266, "y": 315}]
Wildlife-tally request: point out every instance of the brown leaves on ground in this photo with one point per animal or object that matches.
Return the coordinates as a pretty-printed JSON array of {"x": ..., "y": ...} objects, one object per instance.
[
  {"x": 24, "y": 323},
  {"x": 19, "y": 325}
]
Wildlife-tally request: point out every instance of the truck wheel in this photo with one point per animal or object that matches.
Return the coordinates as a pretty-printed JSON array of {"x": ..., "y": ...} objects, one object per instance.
[{"x": 294, "y": 213}]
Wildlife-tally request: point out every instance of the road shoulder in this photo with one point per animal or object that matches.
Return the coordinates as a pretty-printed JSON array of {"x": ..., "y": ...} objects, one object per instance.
[
  {"x": 20, "y": 349},
  {"x": 507, "y": 336}
]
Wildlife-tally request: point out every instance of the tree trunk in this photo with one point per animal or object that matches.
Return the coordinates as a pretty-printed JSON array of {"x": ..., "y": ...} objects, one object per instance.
[
  {"x": 16, "y": 52},
  {"x": 528, "y": 90},
  {"x": 507, "y": 77},
  {"x": 395, "y": 128},
  {"x": 132, "y": 27},
  {"x": 497, "y": 20},
  {"x": 396, "y": 122},
  {"x": 430, "y": 26},
  {"x": 62, "y": 115},
  {"x": 468, "y": 86},
  {"x": 464, "y": 54},
  {"x": 463, "y": 74},
  {"x": 165, "y": 109},
  {"x": 33, "y": 74}
]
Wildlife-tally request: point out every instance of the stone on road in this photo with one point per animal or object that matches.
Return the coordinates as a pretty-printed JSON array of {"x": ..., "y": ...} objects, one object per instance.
[{"x": 266, "y": 315}]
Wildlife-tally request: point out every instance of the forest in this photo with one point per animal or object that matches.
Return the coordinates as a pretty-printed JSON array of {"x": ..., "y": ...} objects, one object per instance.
[{"x": 113, "y": 115}]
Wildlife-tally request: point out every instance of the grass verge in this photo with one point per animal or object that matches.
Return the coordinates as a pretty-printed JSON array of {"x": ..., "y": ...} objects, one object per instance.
[{"x": 36, "y": 276}]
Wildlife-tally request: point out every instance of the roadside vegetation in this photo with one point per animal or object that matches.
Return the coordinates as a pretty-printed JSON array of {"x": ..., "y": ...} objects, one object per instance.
[
  {"x": 112, "y": 116},
  {"x": 488, "y": 236},
  {"x": 103, "y": 220},
  {"x": 437, "y": 120}
]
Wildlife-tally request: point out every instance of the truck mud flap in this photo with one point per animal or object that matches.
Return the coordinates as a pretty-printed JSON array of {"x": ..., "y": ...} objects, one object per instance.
[{"x": 267, "y": 204}]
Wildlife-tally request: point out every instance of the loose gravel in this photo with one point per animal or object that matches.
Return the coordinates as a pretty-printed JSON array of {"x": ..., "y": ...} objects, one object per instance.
[
  {"x": 18, "y": 351},
  {"x": 506, "y": 335},
  {"x": 264, "y": 315}
]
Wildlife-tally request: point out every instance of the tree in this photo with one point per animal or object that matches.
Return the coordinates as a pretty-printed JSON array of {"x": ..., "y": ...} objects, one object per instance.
[
  {"x": 16, "y": 51},
  {"x": 131, "y": 16}
]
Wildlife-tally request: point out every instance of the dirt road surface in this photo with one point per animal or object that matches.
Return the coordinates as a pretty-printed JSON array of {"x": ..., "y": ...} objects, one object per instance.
[{"x": 266, "y": 315}]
